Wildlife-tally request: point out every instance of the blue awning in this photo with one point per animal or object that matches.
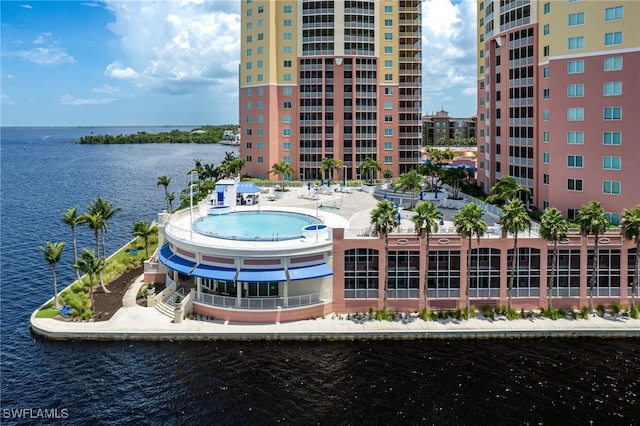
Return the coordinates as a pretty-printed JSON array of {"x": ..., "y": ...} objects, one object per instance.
[
  {"x": 173, "y": 261},
  {"x": 309, "y": 272},
  {"x": 247, "y": 187},
  {"x": 214, "y": 272},
  {"x": 261, "y": 275}
]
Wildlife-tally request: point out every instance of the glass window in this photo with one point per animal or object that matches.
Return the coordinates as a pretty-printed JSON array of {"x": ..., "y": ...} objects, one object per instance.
[
  {"x": 545, "y": 114},
  {"x": 611, "y": 163},
  {"x": 576, "y": 19},
  {"x": 612, "y": 113},
  {"x": 545, "y": 72},
  {"x": 388, "y": 36},
  {"x": 612, "y": 39},
  {"x": 613, "y": 63},
  {"x": 287, "y": 77},
  {"x": 613, "y": 13},
  {"x": 575, "y": 67},
  {"x": 575, "y": 114},
  {"x": 574, "y": 184},
  {"x": 612, "y": 138},
  {"x": 388, "y": 90},
  {"x": 287, "y": 36},
  {"x": 260, "y": 91},
  {"x": 388, "y": 22},
  {"x": 545, "y": 178},
  {"x": 576, "y": 43},
  {"x": 260, "y": 64},
  {"x": 287, "y": 50},
  {"x": 361, "y": 273},
  {"x": 287, "y": 9},
  {"x": 388, "y": 77},
  {"x": 286, "y": 132},
  {"x": 613, "y": 88},
  {"x": 286, "y": 146},
  {"x": 260, "y": 145},
  {"x": 260, "y": 118},
  {"x": 575, "y": 138},
  {"x": 545, "y": 157},
  {"x": 388, "y": 145},
  {"x": 260, "y": 50},
  {"x": 574, "y": 161},
  {"x": 260, "y": 23},
  {"x": 388, "y": 104},
  {"x": 388, "y": 63},
  {"x": 575, "y": 90},
  {"x": 287, "y": 22},
  {"x": 388, "y": 49},
  {"x": 546, "y": 8},
  {"x": 249, "y": 52},
  {"x": 286, "y": 118},
  {"x": 545, "y": 136},
  {"x": 545, "y": 50},
  {"x": 611, "y": 187},
  {"x": 287, "y": 91},
  {"x": 388, "y": 132},
  {"x": 388, "y": 159},
  {"x": 286, "y": 105},
  {"x": 260, "y": 159},
  {"x": 545, "y": 29}
]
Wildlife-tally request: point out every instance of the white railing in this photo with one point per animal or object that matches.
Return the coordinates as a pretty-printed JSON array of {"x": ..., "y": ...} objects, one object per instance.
[{"x": 261, "y": 303}]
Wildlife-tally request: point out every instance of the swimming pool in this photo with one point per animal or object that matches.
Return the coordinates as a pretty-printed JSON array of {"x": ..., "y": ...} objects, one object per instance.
[{"x": 255, "y": 225}]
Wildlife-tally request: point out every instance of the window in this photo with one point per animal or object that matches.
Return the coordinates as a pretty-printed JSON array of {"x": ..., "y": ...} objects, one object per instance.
[
  {"x": 286, "y": 132},
  {"x": 388, "y": 145},
  {"x": 388, "y": 49},
  {"x": 287, "y": 91},
  {"x": 260, "y": 118},
  {"x": 286, "y": 146},
  {"x": 388, "y": 90},
  {"x": 249, "y": 105},
  {"x": 249, "y": 12},
  {"x": 388, "y": 63},
  {"x": 388, "y": 132},
  {"x": 260, "y": 91},
  {"x": 612, "y": 138},
  {"x": 611, "y": 163},
  {"x": 481, "y": 21},
  {"x": 286, "y": 105},
  {"x": 545, "y": 29},
  {"x": 249, "y": 39},
  {"x": 261, "y": 36},
  {"x": 388, "y": 118},
  {"x": 545, "y": 72},
  {"x": 260, "y": 159},
  {"x": 613, "y": 63},
  {"x": 612, "y": 39},
  {"x": 388, "y": 77},
  {"x": 260, "y": 64},
  {"x": 388, "y": 22},
  {"x": 574, "y": 161},
  {"x": 249, "y": 92},
  {"x": 287, "y": 9},
  {"x": 260, "y": 146},
  {"x": 249, "y": 25},
  {"x": 287, "y": 22},
  {"x": 575, "y": 114},
  {"x": 361, "y": 273},
  {"x": 286, "y": 118},
  {"x": 575, "y": 90},
  {"x": 260, "y": 9},
  {"x": 388, "y": 159},
  {"x": 249, "y": 52},
  {"x": 576, "y": 19},
  {"x": 260, "y": 132},
  {"x": 287, "y": 50},
  {"x": 287, "y": 36},
  {"x": 545, "y": 136},
  {"x": 388, "y": 36},
  {"x": 545, "y": 178},
  {"x": 388, "y": 104},
  {"x": 611, "y": 187},
  {"x": 260, "y": 50},
  {"x": 287, "y": 77},
  {"x": 287, "y": 64},
  {"x": 545, "y": 93},
  {"x": 576, "y": 43},
  {"x": 574, "y": 184},
  {"x": 613, "y": 88},
  {"x": 260, "y": 77},
  {"x": 260, "y": 23},
  {"x": 546, "y": 8},
  {"x": 614, "y": 13},
  {"x": 575, "y": 67},
  {"x": 545, "y": 157},
  {"x": 287, "y": 159},
  {"x": 575, "y": 138},
  {"x": 612, "y": 113},
  {"x": 545, "y": 115},
  {"x": 545, "y": 50}
]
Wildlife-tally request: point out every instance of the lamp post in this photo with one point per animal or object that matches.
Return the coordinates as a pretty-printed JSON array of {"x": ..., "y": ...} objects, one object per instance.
[
  {"x": 344, "y": 176},
  {"x": 191, "y": 185}
]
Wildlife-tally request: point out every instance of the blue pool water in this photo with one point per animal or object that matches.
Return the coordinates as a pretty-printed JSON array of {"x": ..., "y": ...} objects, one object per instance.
[{"x": 257, "y": 225}]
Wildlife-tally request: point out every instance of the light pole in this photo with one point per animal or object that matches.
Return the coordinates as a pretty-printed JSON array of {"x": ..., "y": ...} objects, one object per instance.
[{"x": 191, "y": 185}]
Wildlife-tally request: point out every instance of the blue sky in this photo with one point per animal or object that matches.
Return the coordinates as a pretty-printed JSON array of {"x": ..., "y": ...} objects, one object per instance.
[{"x": 174, "y": 62}]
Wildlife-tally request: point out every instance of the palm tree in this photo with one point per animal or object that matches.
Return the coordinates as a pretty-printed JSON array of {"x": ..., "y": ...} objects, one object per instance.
[
  {"x": 454, "y": 177},
  {"x": 507, "y": 188},
  {"x": 370, "y": 167},
  {"x": 95, "y": 222},
  {"x": 52, "y": 253},
  {"x": 631, "y": 227},
  {"x": 592, "y": 220},
  {"x": 411, "y": 182},
  {"x": 73, "y": 220},
  {"x": 144, "y": 230},
  {"x": 198, "y": 168},
  {"x": 426, "y": 221},
  {"x": 106, "y": 209},
  {"x": 329, "y": 165},
  {"x": 281, "y": 169},
  {"x": 384, "y": 218},
  {"x": 468, "y": 222},
  {"x": 91, "y": 265},
  {"x": 170, "y": 198},
  {"x": 164, "y": 180},
  {"x": 514, "y": 219},
  {"x": 553, "y": 228}
]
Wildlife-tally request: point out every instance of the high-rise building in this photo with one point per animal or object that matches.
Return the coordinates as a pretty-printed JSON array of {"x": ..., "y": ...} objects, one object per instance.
[
  {"x": 330, "y": 79},
  {"x": 441, "y": 129},
  {"x": 559, "y": 100}
]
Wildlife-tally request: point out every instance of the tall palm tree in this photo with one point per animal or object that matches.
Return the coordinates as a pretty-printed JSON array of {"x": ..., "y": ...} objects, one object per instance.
[
  {"x": 164, "y": 180},
  {"x": 631, "y": 227},
  {"x": 170, "y": 198},
  {"x": 384, "y": 218},
  {"x": 554, "y": 228},
  {"x": 507, "y": 188},
  {"x": 410, "y": 182},
  {"x": 107, "y": 210},
  {"x": 426, "y": 221},
  {"x": 592, "y": 220},
  {"x": 454, "y": 177},
  {"x": 329, "y": 165},
  {"x": 91, "y": 265},
  {"x": 370, "y": 167},
  {"x": 514, "y": 219},
  {"x": 95, "y": 222},
  {"x": 144, "y": 230},
  {"x": 468, "y": 222},
  {"x": 281, "y": 169},
  {"x": 73, "y": 220},
  {"x": 52, "y": 254}
]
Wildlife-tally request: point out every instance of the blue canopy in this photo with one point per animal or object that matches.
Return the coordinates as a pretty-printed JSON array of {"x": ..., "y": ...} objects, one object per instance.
[
  {"x": 175, "y": 262},
  {"x": 261, "y": 275},
  {"x": 247, "y": 188},
  {"x": 214, "y": 272},
  {"x": 308, "y": 272}
]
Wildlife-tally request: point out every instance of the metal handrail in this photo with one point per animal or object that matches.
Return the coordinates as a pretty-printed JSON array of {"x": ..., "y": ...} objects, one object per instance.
[{"x": 261, "y": 303}]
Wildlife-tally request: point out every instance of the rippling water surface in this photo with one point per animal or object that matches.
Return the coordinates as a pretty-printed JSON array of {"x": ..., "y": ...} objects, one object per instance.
[{"x": 541, "y": 381}]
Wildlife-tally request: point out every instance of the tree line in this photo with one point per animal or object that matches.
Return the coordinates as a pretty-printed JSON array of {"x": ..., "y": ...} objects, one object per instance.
[{"x": 204, "y": 134}]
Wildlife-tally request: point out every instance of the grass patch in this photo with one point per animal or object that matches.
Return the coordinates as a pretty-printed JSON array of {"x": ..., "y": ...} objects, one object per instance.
[{"x": 47, "y": 313}]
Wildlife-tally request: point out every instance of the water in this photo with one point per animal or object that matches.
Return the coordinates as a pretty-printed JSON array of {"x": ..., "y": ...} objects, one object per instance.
[
  {"x": 541, "y": 381},
  {"x": 263, "y": 225}
]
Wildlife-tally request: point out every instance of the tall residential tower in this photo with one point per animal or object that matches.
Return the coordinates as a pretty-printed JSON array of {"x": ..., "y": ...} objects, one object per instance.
[
  {"x": 330, "y": 79},
  {"x": 559, "y": 100}
]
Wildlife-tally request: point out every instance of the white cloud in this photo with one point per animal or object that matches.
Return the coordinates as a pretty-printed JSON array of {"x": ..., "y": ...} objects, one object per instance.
[
  {"x": 41, "y": 39},
  {"x": 448, "y": 48},
  {"x": 176, "y": 47},
  {"x": 106, "y": 89},
  {"x": 70, "y": 100},
  {"x": 45, "y": 56},
  {"x": 26, "y": 6}
]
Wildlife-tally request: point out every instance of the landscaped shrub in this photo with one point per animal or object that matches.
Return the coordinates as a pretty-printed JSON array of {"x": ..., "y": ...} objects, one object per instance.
[
  {"x": 382, "y": 315},
  {"x": 600, "y": 309},
  {"x": 634, "y": 312},
  {"x": 427, "y": 315},
  {"x": 488, "y": 312},
  {"x": 614, "y": 308},
  {"x": 584, "y": 312}
]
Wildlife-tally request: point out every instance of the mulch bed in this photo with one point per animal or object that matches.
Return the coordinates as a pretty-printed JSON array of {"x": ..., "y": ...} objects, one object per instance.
[{"x": 106, "y": 304}]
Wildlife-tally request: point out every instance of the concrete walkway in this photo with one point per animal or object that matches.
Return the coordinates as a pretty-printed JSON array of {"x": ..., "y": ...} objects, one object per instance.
[{"x": 133, "y": 322}]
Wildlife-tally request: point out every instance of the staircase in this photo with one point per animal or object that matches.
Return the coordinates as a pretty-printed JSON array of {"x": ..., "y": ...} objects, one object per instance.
[{"x": 168, "y": 305}]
